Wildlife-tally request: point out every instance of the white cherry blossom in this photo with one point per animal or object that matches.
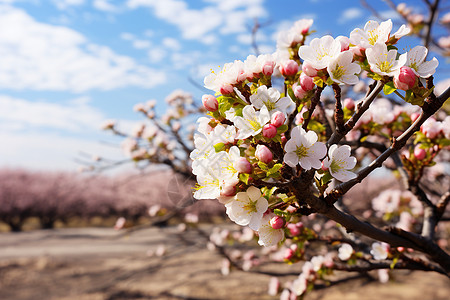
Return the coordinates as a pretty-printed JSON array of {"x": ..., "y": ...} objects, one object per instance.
[
  {"x": 345, "y": 251},
  {"x": 268, "y": 236},
  {"x": 247, "y": 208},
  {"x": 270, "y": 97},
  {"x": 252, "y": 122},
  {"x": 416, "y": 61},
  {"x": 384, "y": 62},
  {"x": 303, "y": 149},
  {"x": 379, "y": 251},
  {"x": 320, "y": 51},
  {"x": 339, "y": 162},
  {"x": 342, "y": 70},
  {"x": 372, "y": 34}
]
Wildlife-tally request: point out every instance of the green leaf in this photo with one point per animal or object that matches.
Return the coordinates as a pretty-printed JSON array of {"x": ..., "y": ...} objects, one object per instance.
[
  {"x": 292, "y": 95},
  {"x": 394, "y": 262},
  {"x": 244, "y": 177},
  {"x": 219, "y": 147},
  {"x": 282, "y": 128},
  {"x": 274, "y": 169},
  {"x": 389, "y": 88},
  {"x": 263, "y": 166}
]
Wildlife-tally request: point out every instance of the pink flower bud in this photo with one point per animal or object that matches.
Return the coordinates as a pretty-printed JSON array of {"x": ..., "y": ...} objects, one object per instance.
[
  {"x": 267, "y": 68},
  {"x": 294, "y": 230},
  {"x": 349, "y": 103},
  {"x": 226, "y": 89},
  {"x": 263, "y": 154},
  {"x": 299, "y": 92},
  {"x": 306, "y": 82},
  {"x": 210, "y": 102},
  {"x": 269, "y": 131},
  {"x": 419, "y": 153},
  {"x": 357, "y": 50},
  {"x": 309, "y": 70},
  {"x": 414, "y": 116},
  {"x": 324, "y": 168},
  {"x": 345, "y": 42},
  {"x": 228, "y": 190},
  {"x": 288, "y": 254},
  {"x": 242, "y": 165},
  {"x": 278, "y": 119},
  {"x": 289, "y": 68},
  {"x": 405, "y": 79},
  {"x": 277, "y": 222}
]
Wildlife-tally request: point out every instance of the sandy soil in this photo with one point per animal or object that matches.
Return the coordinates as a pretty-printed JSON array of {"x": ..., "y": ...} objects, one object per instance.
[{"x": 100, "y": 263}]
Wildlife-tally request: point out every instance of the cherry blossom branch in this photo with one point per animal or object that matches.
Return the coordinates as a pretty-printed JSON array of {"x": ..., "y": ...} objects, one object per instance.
[
  {"x": 378, "y": 265},
  {"x": 429, "y": 108},
  {"x": 373, "y": 91},
  {"x": 314, "y": 101},
  {"x": 338, "y": 112}
]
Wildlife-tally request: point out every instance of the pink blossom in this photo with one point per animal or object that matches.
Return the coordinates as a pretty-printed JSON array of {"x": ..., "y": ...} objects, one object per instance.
[
  {"x": 419, "y": 153},
  {"x": 274, "y": 286},
  {"x": 278, "y": 118},
  {"x": 210, "y": 102},
  {"x": 431, "y": 128},
  {"x": 308, "y": 69},
  {"x": 405, "y": 79},
  {"x": 277, "y": 222},
  {"x": 242, "y": 165},
  {"x": 306, "y": 82},
  {"x": 349, "y": 103},
  {"x": 269, "y": 131},
  {"x": 289, "y": 68},
  {"x": 263, "y": 154}
]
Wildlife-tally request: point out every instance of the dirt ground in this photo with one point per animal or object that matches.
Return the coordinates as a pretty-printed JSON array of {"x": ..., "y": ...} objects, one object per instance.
[{"x": 100, "y": 263}]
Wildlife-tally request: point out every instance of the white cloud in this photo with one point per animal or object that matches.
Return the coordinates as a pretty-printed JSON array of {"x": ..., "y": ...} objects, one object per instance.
[
  {"x": 156, "y": 54},
  {"x": 171, "y": 43},
  {"x": 40, "y": 56},
  {"x": 74, "y": 116},
  {"x": 200, "y": 24},
  {"x": 64, "y": 4},
  {"x": 49, "y": 151},
  {"x": 350, "y": 14},
  {"x": 104, "y": 5}
]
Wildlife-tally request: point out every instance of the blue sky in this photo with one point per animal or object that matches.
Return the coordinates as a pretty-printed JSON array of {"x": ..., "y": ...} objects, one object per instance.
[{"x": 66, "y": 66}]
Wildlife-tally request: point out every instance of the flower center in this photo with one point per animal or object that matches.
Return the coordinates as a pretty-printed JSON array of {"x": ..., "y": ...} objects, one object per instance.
[
  {"x": 270, "y": 105},
  {"x": 385, "y": 66},
  {"x": 338, "y": 72},
  {"x": 336, "y": 165},
  {"x": 250, "y": 207},
  {"x": 254, "y": 124},
  {"x": 301, "y": 151},
  {"x": 373, "y": 37}
]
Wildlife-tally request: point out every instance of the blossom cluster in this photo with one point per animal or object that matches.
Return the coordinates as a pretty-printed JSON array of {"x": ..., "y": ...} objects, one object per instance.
[
  {"x": 265, "y": 150},
  {"x": 249, "y": 145}
]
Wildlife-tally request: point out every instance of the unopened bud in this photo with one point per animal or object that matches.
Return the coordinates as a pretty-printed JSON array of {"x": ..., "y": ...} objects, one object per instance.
[
  {"x": 210, "y": 102},
  {"x": 267, "y": 69},
  {"x": 299, "y": 92},
  {"x": 288, "y": 254},
  {"x": 349, "y": 103},
  {"x": 405, "y": 79},
  {"x": 269, "y": 131},
  {"x": 263, "y": 154},
  {"x": 309, "y": 70},
  {"x": 226, "y": 89},
  {"x": 278, "y": 118},
  {"x": 277, "y": 222},
  {"x": 419, "y": 153},
  {"x": 242, "y": 165},
  {"x": 289, "y": 68},
  {"x": 306, "y": 82}
]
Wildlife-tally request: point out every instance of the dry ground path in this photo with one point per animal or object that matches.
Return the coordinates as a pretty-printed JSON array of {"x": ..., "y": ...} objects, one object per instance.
[{"x": 100, "y": 263}]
